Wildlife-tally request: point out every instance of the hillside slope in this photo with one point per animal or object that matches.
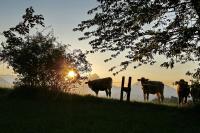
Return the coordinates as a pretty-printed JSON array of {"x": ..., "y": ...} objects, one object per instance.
[{"x": 86, "y": 114}]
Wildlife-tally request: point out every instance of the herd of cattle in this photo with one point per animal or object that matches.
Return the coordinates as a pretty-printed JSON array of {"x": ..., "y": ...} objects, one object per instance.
[{"x": 151, "y": 87}]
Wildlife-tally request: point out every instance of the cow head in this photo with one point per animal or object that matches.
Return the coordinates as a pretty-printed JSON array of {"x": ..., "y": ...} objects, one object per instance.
[
  {"x": 143, "y": 80},
  {"x": 181, "y": 81},
  {"x": 176, "y": 82},
  {"x": 89, "y": 83}
]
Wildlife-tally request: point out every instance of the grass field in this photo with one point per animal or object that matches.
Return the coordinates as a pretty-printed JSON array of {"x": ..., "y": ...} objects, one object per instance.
[{"x": 78, "y": 114}]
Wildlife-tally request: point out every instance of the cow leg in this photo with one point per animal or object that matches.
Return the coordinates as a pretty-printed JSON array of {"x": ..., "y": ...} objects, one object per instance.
[
  {"x": 147, "y": 97},
  {"x": 186, "y": 99},
  {"x": 158, "y": 95},
  {"x": 162, "y": 97},
  {"x": 106, "y": 92},
  {"x": 97, "y": 93},
  {"x": 144, "y": 96},
  {"x": 109, "y": 92},
  {"x": 193, "y": 99},
  {"x": 180, "y": 100}
]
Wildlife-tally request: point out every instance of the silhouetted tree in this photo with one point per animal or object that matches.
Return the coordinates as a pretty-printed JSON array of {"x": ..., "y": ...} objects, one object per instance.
[
  {"x": 194, "y": 75},
  {"x": 93, "y": 76},
  {"x": 143, "y": 29},
  {"x": 38, "y": 59}
]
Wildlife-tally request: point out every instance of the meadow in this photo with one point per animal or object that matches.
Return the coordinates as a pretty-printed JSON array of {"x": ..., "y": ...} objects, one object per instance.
[{"x": 69, "y": 113}]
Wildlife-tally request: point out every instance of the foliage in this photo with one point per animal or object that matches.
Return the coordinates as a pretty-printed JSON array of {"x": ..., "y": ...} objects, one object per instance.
[
  {"x": 144, "y": 29},
  {"x": 195, "y": 75},
  {"x": 195, "y": 84},
  {"x": 93, "y": 76},
  {"x": 38, "y": 59}
]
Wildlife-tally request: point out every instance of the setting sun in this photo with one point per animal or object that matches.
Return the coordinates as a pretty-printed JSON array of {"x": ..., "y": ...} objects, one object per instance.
[{"x": 71, "y": 74}]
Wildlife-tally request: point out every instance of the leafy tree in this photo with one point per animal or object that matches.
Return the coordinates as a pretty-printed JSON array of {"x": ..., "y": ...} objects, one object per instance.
[
  {"x": 93, "y": 76},
  {"x": 144, "y": 29},
  {"x": 38, "y": 59}
]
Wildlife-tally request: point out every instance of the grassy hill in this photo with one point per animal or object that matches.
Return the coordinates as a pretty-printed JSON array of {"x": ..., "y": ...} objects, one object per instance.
[{"x": 78, "y": 114}]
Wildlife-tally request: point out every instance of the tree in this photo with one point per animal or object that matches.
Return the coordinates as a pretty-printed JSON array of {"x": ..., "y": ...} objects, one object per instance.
[
  {"x": 93, "y": 76},
  {"x": 144, "y": 29},
  {"x": 38, "y": 59}
]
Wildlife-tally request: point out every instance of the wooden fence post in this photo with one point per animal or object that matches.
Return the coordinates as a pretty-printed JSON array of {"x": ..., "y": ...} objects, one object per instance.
[
  {"x": 129, "y": 89},
  {"x": 126, "y": 89},
  {"x": 122, "y": 88}
]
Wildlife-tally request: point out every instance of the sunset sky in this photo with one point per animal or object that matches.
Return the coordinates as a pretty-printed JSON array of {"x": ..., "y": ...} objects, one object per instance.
[{"x": 63, "y": 16}]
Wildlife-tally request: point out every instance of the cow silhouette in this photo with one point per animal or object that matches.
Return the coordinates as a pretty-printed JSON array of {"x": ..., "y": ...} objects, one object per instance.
[
  {"x": 152, "y": 87},
  {"x": 183, "y": 91},
  {"x": 104, "y": 84}
]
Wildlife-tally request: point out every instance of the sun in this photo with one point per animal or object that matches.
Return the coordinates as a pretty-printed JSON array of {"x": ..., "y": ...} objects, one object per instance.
[{"x": 71, "y": 74}]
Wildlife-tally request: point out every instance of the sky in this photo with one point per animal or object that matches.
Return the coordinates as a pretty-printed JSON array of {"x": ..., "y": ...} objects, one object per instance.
[{"x": 63, "y": 16}]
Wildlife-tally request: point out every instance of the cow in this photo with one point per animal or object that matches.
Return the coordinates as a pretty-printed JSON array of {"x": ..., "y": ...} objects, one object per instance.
[
  {"x": 152, "y": 87},
  {"x": 195, "y": 92},
  {"x": 104, "y": 84},
  {"x": 183, "y": 91}
]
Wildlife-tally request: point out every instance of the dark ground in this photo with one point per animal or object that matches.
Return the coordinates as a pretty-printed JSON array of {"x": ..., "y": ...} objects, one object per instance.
[{"x": 78, "y": 114}]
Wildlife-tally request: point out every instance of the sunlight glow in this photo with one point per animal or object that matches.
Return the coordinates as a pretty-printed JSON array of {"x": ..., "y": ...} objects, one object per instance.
[{"x": 71, "y": 74}]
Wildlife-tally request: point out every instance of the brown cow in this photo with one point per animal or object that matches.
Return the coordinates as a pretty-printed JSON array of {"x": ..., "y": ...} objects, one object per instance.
[
  {"x": 104, "y": 84},
  {"x": 183, "y": 91},
  {"x": 152, "y": 87},
  {"x": 195, "y": 91}
]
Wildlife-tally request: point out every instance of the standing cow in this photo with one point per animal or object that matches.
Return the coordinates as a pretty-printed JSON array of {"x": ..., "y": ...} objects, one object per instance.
[
  {"x": 195, "y": 91},
  {"x": 183, "y": 91},
  {"x": 152, "y": 87},
  {"x": 104, "y": 84}
]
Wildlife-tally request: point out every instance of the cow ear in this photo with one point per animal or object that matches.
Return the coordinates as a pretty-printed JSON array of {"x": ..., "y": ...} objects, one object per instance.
[
  {"x": 138, "y": 79},
  {"x": 176, "y": 82}
]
